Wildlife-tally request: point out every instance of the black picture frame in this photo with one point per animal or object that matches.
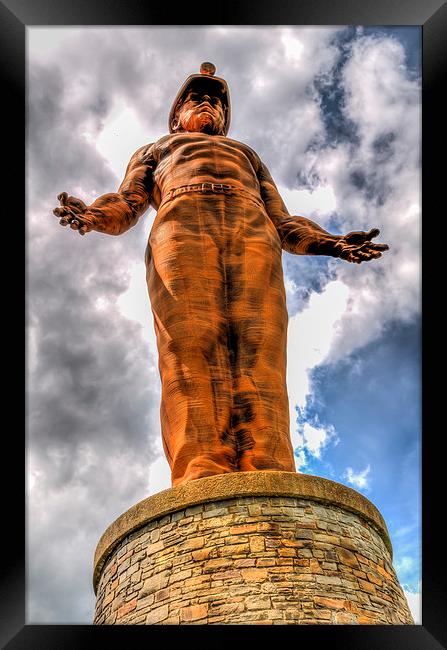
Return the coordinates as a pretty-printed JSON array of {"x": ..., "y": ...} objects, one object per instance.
[{"x": 431, "y": 16}]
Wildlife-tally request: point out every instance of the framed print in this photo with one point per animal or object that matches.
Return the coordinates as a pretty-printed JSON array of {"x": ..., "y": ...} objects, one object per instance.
[{"x": 332, "y": 99}]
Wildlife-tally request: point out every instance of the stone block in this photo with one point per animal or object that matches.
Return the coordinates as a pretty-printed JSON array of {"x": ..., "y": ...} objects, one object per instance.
[
  {"x": 224, "y": 609},
  {"x": 157, "y": 615},
  {"x": 194, "y": 612},
  {"x": 257, "y": 544},
  {"x": 366, "y": 586},
  {"x": 258, "y": 602},
  {"x": 180, "y": 576},
  {"x": 243, "y": 529},
  {"x": 330, "y": 603},
  {"x": 154, "y": 583},
  {"x": 254, "y": 574},
  {"x": 328, "y": 580},
  {"x": 234, "y": 549},
  {"x": 202, "y": 554},
  {"x": 126, "y": 608},
  {"x": 374, "y": 579},
  {"x": 244, "y": 562},
  {"x": 216, "y": 563},
  {"x": 347, "y": 557}
]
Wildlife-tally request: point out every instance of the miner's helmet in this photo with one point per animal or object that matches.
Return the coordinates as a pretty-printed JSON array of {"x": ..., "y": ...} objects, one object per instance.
[{"x": 207, "y": 83}]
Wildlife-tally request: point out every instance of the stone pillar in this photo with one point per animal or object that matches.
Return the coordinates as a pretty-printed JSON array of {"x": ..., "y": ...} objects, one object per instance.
[{"x": 249, "y": 548}]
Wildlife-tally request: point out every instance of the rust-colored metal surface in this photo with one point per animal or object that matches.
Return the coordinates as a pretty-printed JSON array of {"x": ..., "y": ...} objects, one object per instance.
[{"x": 215, "y": 282}]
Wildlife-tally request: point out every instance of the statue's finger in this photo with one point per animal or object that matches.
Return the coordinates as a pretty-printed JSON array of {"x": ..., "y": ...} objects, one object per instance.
[
  {"x": 72, "y": 213},
  {"x": 371, "y": 256},
  {"x": 64, "y": 222},
  {"x": 60, "y": 212},
  {"x": 76, "y": 203},
  {"x": 63, "y": 198},
  {"x": 372, "y": 233},
  {"x": 74, "y": 224},
  {"x": 369, "y": 247},
  {"x": 371, "y": 252}
]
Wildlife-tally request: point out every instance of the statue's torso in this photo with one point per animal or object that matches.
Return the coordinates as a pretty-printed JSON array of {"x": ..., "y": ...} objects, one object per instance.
[{"x": 192, "y": 158}]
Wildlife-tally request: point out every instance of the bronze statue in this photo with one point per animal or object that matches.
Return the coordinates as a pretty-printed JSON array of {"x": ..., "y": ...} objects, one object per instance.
[{"x": 215, "y": 282}]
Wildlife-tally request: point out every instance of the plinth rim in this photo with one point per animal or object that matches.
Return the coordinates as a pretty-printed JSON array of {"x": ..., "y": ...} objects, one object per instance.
[{"x": 224, "y": 487}]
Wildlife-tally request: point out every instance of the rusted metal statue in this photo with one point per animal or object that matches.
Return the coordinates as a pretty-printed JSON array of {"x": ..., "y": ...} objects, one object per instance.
[{"x": 215, "y": 282}]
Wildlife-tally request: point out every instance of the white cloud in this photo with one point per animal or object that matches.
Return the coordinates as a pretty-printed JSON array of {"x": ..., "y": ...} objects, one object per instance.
[
  {"x": 313, "y": 438},
  {"x": 300, "y": 460},
  {"x": 377, "y": 84},
  {"x": 121, "y": 136},
  {"x": 293, "y": 46},
  {"x": 159, "y": 471},
  {"x": 384, "y": 105},
  {"x": 135, "y": 305},
  {"x": 414, "y": 600},
  {"x": 310, "y": 336},
  {"x": 318, "y": 203},
  {"x": 360, "y": 479}
]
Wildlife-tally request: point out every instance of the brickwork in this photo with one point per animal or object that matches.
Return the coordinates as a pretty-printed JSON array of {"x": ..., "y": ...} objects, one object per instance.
[{"x": 252, "y": 560}]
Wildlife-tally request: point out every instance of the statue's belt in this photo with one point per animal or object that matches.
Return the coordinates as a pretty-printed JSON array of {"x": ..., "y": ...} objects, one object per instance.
[{"x": 206, "y": 187}]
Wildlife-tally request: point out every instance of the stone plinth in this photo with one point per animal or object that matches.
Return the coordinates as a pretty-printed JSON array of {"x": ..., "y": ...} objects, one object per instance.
[{"x": 249, "y": 548}]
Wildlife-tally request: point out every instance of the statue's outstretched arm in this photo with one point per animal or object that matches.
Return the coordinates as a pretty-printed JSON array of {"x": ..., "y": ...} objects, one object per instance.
[
  {"x": 302, "y": 236},
  {"x": 116, "y": 212}
]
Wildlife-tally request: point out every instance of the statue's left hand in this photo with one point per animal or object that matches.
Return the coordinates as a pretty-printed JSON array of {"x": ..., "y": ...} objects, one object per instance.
[{"x": 357, "y": 246}]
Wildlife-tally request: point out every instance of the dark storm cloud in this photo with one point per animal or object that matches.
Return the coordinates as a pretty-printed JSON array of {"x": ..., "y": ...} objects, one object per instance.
[
  {"x": 57, "y": 153},
  {"x": 87, "y": 358},
  {"x": 143, "y": 67},
  {"x": 328, "y": 84}
]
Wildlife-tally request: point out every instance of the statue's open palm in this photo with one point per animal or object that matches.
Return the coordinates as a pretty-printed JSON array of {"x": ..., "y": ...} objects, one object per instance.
[{"x": 357, "y": 246}]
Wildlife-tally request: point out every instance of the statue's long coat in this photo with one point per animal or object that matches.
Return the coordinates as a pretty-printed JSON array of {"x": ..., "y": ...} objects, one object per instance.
[{"x": 215, "y": 282}]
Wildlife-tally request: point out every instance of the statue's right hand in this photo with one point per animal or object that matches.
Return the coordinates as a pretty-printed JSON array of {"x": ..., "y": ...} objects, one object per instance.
[{"x": 73, "y": 212}]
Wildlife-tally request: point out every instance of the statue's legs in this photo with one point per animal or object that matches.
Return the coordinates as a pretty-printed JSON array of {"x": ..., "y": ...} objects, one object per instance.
[
  {"x": 258, "y": 323},
  {"x": 186, "y": 287},
  {"x": 215, "y": 282}
]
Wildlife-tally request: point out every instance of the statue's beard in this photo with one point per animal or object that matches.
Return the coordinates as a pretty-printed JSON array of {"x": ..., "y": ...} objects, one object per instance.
[{"x": 201, "y": 121}]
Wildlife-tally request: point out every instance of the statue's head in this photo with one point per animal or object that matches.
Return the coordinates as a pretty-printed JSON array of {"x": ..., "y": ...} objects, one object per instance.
[{"x": 202, "y": 104}]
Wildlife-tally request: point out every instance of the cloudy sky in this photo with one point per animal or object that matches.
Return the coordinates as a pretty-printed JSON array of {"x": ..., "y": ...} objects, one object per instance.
[{"x": 335, "y": 115}]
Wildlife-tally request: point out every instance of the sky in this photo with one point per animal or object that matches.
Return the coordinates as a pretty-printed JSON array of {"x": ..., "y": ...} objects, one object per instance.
[{"x": 335, "y": 114}]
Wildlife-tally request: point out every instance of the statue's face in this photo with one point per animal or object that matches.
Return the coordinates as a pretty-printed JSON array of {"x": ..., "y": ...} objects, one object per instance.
[{"x": 201, "y": 112}]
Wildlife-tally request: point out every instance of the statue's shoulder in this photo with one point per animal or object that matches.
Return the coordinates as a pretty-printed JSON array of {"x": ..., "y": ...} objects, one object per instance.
[
  {"x": 142, "y": 154},
  {"x": 148, "y": 152}
]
